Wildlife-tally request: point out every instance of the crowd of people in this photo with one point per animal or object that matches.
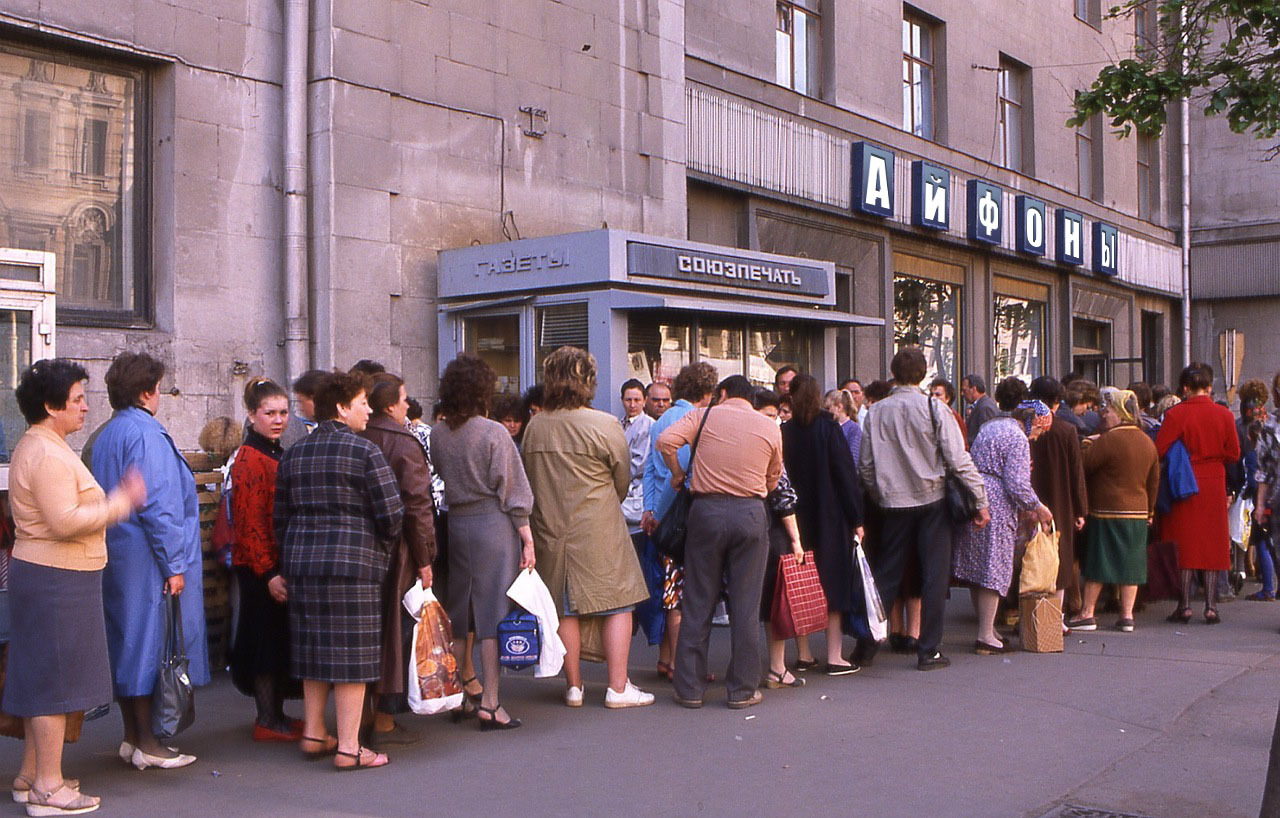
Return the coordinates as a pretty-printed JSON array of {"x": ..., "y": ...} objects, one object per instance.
[{"x": 340, "y": 504}]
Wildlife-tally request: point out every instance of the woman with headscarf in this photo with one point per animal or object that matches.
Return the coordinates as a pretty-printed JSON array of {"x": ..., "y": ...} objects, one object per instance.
[
  {"x": 1122, "y": 471},
  {"x": 983, "y": 557}
]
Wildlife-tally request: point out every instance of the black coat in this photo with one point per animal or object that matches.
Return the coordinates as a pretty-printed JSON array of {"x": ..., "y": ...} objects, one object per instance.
[{"x": 829, "y": 502}]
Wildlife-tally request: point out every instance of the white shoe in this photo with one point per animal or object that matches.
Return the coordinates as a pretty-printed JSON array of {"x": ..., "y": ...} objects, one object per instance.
[
  {"x": 631, "y": 696},
  {"x": 142, "y": 761},
  {"x": 573, "y": 697},
  {"x": 126, "y": 752}
]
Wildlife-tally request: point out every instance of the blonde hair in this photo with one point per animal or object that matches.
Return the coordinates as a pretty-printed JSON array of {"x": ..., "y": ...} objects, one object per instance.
[
  {"x": 1166, "y": 403},
  {"x": 569, "y": 379},
  {"x": 841, "y": 398}
]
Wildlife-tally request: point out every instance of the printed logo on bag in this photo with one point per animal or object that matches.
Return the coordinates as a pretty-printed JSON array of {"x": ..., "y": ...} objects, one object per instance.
[{"x": 518, "y": 645}]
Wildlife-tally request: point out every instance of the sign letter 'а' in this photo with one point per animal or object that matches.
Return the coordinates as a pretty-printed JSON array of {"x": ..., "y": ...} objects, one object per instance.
[
  {"x": 1032, "y": 229},
  {"x": 930, "y": 195},
  {"x": 1070, "y": 238},
  {"x": 986, "y": 212},
  {"x": 1105, "y": 247},
  {"x": 872, "y": 180}
]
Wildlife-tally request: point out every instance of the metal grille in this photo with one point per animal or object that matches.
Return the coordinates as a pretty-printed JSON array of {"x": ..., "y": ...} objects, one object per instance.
[
  {"x": 1232, "y": 270},
  {"x": 564, "y": 325}
]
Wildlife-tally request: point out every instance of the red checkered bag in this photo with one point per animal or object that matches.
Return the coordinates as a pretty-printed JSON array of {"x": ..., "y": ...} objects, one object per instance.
[{"x": 799, "y": 605}]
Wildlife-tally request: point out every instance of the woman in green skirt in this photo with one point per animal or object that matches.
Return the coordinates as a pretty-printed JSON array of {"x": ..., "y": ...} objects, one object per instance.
[{"x": 1122, "y": 473}]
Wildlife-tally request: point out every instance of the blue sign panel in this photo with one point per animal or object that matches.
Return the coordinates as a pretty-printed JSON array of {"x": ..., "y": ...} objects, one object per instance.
[
  {"x": 930, "y": 195},
  {"x": 986, "y": 216},
  {"x": 872, "y": 180},
  {"x": 1069, "y": 242},
  {"x": 1032, "y": 226},
  {"x": 1106, "y": 244}
]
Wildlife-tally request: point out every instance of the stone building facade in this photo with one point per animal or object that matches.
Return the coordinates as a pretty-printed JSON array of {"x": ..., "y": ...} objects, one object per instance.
[{"x": 141, "y": 141}]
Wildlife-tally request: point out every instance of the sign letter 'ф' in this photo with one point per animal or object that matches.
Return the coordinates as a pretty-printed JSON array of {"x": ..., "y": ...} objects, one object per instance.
[
  {"x": 986, "y": 212},
  {"x": 872, "y": 180}
]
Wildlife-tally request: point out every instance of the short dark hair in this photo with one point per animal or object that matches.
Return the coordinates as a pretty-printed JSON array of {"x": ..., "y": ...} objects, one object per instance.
[
  {"x": 665, "y": 385},
  {"x": 694, "y": 382},
  {"x": 1159, "y": 391},
  {"x": 1047, "y": 390},
  {"x": 735, "y": 386},
  {"x": 845, "y": 383},
  {"x": 908, "y": 366},
  {"x": 505, "y": 405},
  {"x": 1083, "y": 390},
  {"x": 47, "y": 383},
  {"x": 632, "y": 383},
  {"x": 569, "y": 377},
  {"x": 465, "y": 389},
  {"x": 384, "y": 392},
  {"x": 532, "y": 397},
  {"x": 437, "y": 409},
  {"x": 1142, "y": 390},
  {"x": 764, "y": 396},
  {"x": 259, "y": 389},
  {"x": 948, "y": 388},
  {"x": 1196, "y": 376},
  {"x": 976, "y": 381},
  {"x": 1009, "y": 393},
  {"x": 368, "y": 367},
  {"x": 806, "y": 399},
  {"x": 338, "y": 389},
  {"x": 415, "y": 409},
  {"x": 877, "y": 390},
  {"x": 308, "y": 382},
  {"x": 782, "y": 370},
  {"x": 129, "y": 376}
]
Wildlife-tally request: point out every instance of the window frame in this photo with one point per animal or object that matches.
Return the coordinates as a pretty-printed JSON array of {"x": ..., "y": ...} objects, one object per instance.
[
  {"x": 1010, "y": 69},
  {"x": 1089, "y": 142},
  {"x": 141, "y": 315},
  {"x": 1089, "y": 12},
  {"x": 1148, "y": 181},
  {"x": 812, "y": 10},
  {"x": 911, "y": 21}
]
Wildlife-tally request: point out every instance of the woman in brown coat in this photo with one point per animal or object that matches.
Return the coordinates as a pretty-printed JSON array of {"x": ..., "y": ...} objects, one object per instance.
[
  {"x": 1057, "y": 475},
  {"x": 410, "y": 558}
]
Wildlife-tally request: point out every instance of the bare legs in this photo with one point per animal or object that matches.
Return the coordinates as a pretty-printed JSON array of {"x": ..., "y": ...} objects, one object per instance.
[
  {"x": 667, "y": 650},
  {"x": 617, "y": 649},
  {"x": 348, "y": 699},
  {"x": 835, "y": 641},
  {"x": 44, "y": 743}
]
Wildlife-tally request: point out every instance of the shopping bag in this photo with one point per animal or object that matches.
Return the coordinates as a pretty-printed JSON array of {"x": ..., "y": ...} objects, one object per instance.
[
  {"x": 1040, "y": 563},
  {"x": 799, "y": 604},
  {"x": 434, "y": 684},
  {"x": 1040, "y": 618},
  {"x": 877, "y": 619},
  {"x": 173, "y": 702},
  {"x": 530, "y": 592}
]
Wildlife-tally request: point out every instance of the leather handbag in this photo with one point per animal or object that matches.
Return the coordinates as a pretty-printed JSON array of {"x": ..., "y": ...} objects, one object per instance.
[
  {"x": 670, "y": 534},
  {"x": 799, "y": 603},
  {"x": 173, "y": 702},
  {"x": 960, "y": 502}
]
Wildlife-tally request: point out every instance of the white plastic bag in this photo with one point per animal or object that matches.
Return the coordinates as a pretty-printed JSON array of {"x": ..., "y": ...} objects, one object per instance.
[
  {"x": 877, "y": 619},
  {"x": 530, "y": 593},
  {"x": 434, "y": 685}
]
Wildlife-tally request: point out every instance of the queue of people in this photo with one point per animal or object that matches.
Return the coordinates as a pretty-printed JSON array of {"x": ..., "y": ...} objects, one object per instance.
[{"x": 342, "y": 503}]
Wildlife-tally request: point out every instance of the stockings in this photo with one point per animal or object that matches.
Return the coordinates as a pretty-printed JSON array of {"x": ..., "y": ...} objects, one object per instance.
[
  {"x": 1210, "y": 580},
  {"x": 270, "y": 703}
]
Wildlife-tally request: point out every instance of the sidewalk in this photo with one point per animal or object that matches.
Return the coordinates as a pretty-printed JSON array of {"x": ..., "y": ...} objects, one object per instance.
[{"x": 1168, "y": 721}]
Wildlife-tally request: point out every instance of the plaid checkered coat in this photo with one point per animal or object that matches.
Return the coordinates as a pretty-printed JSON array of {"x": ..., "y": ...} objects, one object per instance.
[{"x": 337, "y": 508}]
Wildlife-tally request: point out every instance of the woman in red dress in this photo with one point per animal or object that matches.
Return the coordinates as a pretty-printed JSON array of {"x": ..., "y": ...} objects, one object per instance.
[{"x": 1198, "y": 524}]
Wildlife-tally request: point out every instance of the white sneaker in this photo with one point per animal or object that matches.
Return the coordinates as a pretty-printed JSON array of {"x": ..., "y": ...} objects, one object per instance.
[
  {"x": 573, "y": 697},
  {"x": 631, "y": 696},
  {"x": 142, "y": 761}
]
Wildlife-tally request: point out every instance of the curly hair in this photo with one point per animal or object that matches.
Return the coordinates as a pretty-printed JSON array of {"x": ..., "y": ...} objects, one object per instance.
[
  {"x": 694, "y": 382},
  {"x": 47, "y": 384},
  {"x": 466, "y": 387},
  {"x": 505, "y": 406},
  {"x": 130, "y": 375},
  {"x": 1253, "y": 391},
  {"x": 1009, "y": 393},
  {"x": 339, "y": 389},
  {"x": 569, "y": 379}
]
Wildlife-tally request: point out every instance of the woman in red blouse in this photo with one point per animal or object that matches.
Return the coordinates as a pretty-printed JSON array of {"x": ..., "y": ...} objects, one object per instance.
[{"x": 260, "y": 657}]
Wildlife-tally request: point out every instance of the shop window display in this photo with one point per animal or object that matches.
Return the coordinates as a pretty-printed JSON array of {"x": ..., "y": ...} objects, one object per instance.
[
  {"x": 1019, "y": 338},
  {"x": 927, "y": 314}
]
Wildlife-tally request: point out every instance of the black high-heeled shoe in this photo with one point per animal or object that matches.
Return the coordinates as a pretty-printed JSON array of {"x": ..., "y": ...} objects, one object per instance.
[
  {"x": 468, "y": 710},
  {"x": 1180, "y": 615},
  {"x": 492, "y": 722},
  {"x": 1211, "y": 616}
]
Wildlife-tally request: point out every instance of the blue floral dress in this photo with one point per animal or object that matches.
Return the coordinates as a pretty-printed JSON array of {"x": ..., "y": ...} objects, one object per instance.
[{"x": 984, "y": 556}]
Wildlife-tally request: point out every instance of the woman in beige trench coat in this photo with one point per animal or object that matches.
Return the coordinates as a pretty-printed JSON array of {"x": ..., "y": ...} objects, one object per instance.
[{"x": 579, "y": 468}]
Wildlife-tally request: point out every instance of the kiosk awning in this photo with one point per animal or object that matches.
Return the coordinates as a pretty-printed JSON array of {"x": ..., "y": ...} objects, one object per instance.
[{"x": 642, "y": 301}]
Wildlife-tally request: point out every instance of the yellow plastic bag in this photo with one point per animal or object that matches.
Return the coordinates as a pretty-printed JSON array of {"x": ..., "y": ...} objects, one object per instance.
[{"x": 1040, "y": 565}]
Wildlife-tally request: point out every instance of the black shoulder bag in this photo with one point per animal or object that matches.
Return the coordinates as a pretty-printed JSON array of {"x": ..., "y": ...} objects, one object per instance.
[
  {"x": 670, "y": 536},
  {"x": 961, "y": 504},
  {"x": 173, "y": 703}
]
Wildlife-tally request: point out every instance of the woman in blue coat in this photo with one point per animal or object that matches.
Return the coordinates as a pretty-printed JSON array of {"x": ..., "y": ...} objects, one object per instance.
[{"x": 154, "y": 552}]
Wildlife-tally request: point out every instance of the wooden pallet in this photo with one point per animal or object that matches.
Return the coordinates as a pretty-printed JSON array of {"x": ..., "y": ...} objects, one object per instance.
[{"x": 217, "y": 579}]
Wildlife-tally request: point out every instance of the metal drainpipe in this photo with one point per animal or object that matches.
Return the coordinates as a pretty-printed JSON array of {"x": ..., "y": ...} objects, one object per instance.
[
  {"x": 297, "y": 311},
  {"x": 1185, "y": 114}
]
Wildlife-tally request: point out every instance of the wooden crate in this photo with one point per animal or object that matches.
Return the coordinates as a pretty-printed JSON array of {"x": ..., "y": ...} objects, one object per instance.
[{"x": 217, "y": 579}]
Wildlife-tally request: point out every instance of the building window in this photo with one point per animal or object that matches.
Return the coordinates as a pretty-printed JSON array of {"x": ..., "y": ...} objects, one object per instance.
[
  {"x": 917, "y": 76},
  {"x": 927, "y": 314},
  {"x": 1153, "y": 347},
  {"x": 1089, "y": 11},
  {"x": 1148, "y": 178},
  {"x": 1091, "y": 349},
  {"x": 1011, "y": 87},
  {"x": 1089, "y": 159},
  {"x": 1144, "y": 27},
  {"x": 74, "y": 181},
  {"x": 798, "y": 45},
  {"x": 1019, "y": 338}
]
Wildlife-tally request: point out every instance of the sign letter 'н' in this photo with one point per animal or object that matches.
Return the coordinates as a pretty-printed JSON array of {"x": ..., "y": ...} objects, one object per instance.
[
  {"x": 877, "y": 182},
  {"x": 988, "y": 213},
  {"x": 1071, "y": 238}
]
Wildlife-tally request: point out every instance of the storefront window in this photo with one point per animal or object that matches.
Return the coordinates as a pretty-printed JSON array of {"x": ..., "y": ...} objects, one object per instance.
[
  {"x": 559, "y": 325},
  {"x": 773, "y": 347},
  {"x": 1019, "y": 338},
  {"x": 1091, "y": 349},
  {"x": 496, "y": 340},
  {"x": 15, "y": 355},
  {"x": 720, "y": 344},
  {"x": 657, "y": 348},
  {"x": 927, "y": 313}
]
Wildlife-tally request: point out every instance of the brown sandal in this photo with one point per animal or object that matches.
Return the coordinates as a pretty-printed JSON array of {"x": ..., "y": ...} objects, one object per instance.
[
  {"x": 358, "y": 755},
  {"x": 22, "y": 787},
  {"x": 72, "y": 803},
  {"x": 775, "y": 680}
]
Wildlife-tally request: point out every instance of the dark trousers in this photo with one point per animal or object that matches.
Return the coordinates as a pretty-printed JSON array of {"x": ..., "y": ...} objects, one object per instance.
[
  {"x": 926, "y": 532},
  {"x": 725, "y": 534}
]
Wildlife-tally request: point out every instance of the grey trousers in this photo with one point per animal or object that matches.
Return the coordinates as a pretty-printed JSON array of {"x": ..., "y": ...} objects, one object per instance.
[{"x": 724, "y": 534}]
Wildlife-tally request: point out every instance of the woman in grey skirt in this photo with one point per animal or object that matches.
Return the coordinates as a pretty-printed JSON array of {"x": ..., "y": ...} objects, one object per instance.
[
  {"x": 489, "y": 504},
  {"x": 55, "y": 582}
]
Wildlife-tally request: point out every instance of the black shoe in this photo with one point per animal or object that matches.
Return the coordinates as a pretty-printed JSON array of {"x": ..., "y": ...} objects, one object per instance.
[
  {"x": 897, "y": 642},
  {"x": 864, "y": 652},
  {"x": 803, "y": 665},
  {"x": 934, "y": 662},
  {"x": 398, "y": 736}
]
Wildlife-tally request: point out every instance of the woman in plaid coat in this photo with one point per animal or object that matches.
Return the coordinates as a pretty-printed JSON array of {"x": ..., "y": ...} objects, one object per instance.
[{"x": 337, "y": 511}]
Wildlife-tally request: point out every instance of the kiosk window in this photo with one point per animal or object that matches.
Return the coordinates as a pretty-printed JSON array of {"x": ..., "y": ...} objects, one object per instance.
[
  {"x": 927, "y": 313},
  {"x": 720, "y": 344},
  {"x": 657, "y": 348},
  {"x": 1019, "y": 338},
  {"x": 496, "y": 340},
  {"x": 559, "y": 325},
  {"x": 773, "y": 347},
  {"x": 15, "y": 355}
]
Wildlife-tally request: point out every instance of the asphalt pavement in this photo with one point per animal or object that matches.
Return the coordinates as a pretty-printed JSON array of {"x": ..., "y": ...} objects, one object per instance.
[{"x": 1169, "y": 721}]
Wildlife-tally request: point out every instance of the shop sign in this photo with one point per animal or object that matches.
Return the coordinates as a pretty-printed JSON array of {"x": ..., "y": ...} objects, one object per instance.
[
  {"x": 986, "y": 212},
  {"x": 1070, "y": 238},
  {"x": 872, "y": 180},
  {"x": 930, "y": 195},
  {"x": 549, "y": 261},
  {"x": 701, "y": 267},
  {"x": 1105, "y": 245},
  {"x": 1031, "y": 227}
]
